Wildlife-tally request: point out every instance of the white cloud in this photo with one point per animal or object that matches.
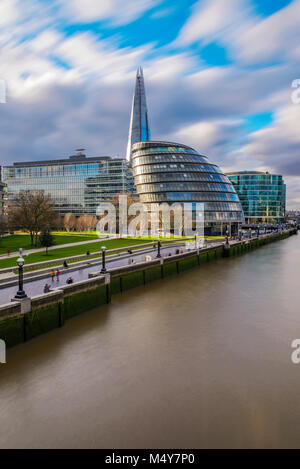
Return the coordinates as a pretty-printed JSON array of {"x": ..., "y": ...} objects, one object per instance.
[
  {"x": 213, "y": 18},
  {"x": 117, "y": 12},
  {"x": 276, "y": 37},
  {"x": 9, "y": 12}
]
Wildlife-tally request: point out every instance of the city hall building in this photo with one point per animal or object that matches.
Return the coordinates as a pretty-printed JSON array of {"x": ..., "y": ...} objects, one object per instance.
[{"x": 172, "y": 172}]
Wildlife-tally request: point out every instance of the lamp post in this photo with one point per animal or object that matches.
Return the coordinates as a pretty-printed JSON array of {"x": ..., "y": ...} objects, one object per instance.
[
  {"x": 103, "y": 270},
  {"x": 158, "y": 248},
  {"x": 20, "y": 293}
]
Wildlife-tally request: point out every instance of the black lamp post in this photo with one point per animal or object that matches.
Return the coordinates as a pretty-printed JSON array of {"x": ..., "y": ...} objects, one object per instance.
[
  {"x": 158, "y": 248},
  {"x": 103, "y": 270},
  {"x": 20, "y": 293}
]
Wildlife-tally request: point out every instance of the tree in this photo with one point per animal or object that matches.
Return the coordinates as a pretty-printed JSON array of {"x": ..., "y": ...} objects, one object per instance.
[
  {"x": 32, "y": 212},
  {"x": 46, "y": 239},
  {"x": 86, "y": 222},
  {"x": 3, "y": 224},
  {"x": 69, "y": 221},
  {"x": 131, "y": 199}
]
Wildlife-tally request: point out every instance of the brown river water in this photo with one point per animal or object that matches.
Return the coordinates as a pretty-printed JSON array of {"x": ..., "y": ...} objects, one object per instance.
[{"x": 199, "y": 360}]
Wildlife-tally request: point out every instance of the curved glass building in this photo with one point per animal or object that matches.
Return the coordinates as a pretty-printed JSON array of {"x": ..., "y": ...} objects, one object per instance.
[
  {"x": 262, "y": 195},
  {"x": 172, "y": 172}
]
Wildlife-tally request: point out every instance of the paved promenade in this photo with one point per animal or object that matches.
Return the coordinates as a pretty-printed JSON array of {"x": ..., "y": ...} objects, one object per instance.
[{"x": 36, "y": 286}]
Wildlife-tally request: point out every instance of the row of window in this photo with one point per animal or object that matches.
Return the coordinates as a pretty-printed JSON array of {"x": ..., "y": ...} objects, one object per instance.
[
  {"x": 179, "y": 176},
  {"x": 178, "y": 186},
  {"x": 163, "y": 149},
  {"x": 187, "y": 197},
  {"x": 162, "y": 168},
  {"x": 151, "y": 159}
]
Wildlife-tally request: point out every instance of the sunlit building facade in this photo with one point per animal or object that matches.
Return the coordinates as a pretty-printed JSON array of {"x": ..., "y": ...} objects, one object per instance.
[
  {"x": 76, "y": 185},
  {"x": 172, "y": 172},
  {"x": 262, "y": 195}
]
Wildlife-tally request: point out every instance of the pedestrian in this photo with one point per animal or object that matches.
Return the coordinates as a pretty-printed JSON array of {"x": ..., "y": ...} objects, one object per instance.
[
  {"x": 57, "y": 274},
  {"x": 46, "y": 288},
  {"x": 52, "y": 275},
  {"x": 87, "y": 253},
  {"x": 8, "y": 252},
  {"x": 69, "y": 280},
  {"x": 65, "y": 265}
]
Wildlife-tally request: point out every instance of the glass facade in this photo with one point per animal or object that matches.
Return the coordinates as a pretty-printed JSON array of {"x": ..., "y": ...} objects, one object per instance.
[
  {"x": 169, "y": 172},
  {"x": 139, "y": 129},
  {"x": 76, "y": 185},
  {"x": 262, "y": 195}
]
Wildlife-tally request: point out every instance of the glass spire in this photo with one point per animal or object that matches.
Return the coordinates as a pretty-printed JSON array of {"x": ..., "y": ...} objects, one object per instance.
[{"x": 139, "y": 130}]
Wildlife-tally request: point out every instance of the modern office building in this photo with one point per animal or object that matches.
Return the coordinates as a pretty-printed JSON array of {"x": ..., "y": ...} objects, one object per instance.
[
  {"x": 77, "y": 184},
  {"x": 139, "y": 129},
  {"x": 2, "y": 198},
  {"x": 172, "y": 172},
  {"x": 262, "y": 195}
]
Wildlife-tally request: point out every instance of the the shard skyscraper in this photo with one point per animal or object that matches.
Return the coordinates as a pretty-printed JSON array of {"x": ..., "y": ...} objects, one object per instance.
[{"x": 139, "y": 130}]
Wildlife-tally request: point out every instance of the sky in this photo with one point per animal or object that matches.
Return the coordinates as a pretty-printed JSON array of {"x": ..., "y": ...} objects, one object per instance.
[{"x": 218, "y": 77}]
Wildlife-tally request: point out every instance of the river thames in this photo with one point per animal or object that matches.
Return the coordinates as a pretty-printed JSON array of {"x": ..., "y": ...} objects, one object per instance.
[{"x": 199, "y": 360}]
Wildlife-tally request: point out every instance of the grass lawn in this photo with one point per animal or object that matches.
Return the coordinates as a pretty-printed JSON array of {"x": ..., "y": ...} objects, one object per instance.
[
  {"x": 62, "y": 253},
  {"x": 14, "y": 242}
]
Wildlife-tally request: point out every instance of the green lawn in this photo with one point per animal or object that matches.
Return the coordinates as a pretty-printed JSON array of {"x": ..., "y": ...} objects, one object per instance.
[
  {"x": 14, "y": 242},
  {"x": 62, "y": 253}
]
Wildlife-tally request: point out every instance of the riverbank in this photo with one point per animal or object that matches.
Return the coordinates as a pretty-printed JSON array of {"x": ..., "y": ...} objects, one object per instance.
[{"x": 23, "y": 320}]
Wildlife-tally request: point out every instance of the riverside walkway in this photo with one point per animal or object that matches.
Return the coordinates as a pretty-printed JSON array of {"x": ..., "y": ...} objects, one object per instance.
[
  {"x": 35, "y": 286},
  {"x": 34, "y": 283}
]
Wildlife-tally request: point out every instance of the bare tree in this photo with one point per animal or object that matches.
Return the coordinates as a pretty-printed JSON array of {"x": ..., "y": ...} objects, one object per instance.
[
  {"x": 3, "y": 224},
  {"x": 86, "y": 222},
  {"x": 32, "y": 212},
  {"x": 69, "y": 221},
  {"x": 131, "y": 199}
]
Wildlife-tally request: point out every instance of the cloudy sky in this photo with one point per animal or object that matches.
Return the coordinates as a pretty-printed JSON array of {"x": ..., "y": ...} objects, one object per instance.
[{"x": 218, "y": 77}]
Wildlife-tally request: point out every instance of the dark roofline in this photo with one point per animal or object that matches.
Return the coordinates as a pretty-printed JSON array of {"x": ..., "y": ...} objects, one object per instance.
[{"x": 69, "y": 161}]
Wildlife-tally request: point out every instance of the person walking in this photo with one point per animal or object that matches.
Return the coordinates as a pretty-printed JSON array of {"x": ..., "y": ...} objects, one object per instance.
[
  {"x": 52, "y": 275},
  {"x": 57, "y": 273},
  {"x": 8, "y": 252}
]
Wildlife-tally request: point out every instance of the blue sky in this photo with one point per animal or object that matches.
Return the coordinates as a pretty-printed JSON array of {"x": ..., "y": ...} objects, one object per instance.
[{"x": 218, "y": 77}]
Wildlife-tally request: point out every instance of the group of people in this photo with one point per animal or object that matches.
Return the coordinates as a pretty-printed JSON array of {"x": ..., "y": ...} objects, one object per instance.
[{"x": 55, "y": 273}]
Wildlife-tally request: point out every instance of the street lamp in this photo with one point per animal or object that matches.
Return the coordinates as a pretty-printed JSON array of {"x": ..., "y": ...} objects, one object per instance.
[
  {"x": 158, "y": 248},
  {"x": 20, "y": 293},
  {"x": 103, "y": 270}
]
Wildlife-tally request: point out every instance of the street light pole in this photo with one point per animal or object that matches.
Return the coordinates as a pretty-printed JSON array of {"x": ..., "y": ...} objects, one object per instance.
[
  {"x": 103, "y": 270},
  {"x": 20, "y": 262},
  {"x": 158, "y": 248}
]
